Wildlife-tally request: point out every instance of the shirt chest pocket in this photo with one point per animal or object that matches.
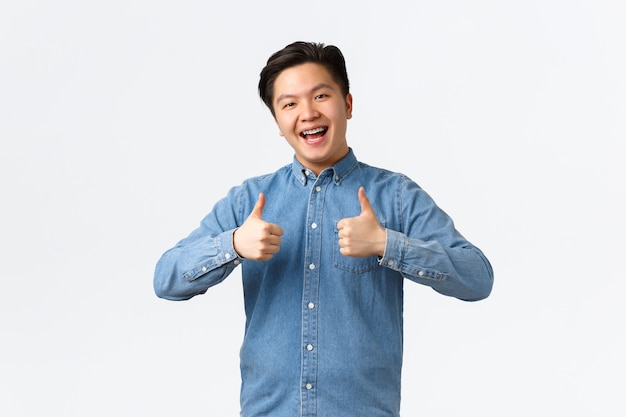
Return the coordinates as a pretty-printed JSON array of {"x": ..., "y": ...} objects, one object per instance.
[{"x": 350, "y": 264}]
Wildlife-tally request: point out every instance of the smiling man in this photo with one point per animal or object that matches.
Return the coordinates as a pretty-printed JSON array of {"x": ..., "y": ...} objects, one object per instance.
[
  {"x": 312, "y": 113},
  {"x": 325, "y": 244}
]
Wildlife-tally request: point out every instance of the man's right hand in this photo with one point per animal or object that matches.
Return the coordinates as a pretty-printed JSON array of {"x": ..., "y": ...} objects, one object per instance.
[{"x": 257, "y": 239}]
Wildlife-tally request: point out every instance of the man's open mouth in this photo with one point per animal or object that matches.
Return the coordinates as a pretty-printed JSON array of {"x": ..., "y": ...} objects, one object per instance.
[{"x": 313, "y": 134}]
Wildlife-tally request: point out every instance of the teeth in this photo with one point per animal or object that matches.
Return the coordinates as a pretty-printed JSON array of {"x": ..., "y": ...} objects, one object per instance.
[{"x": 313, "y": 131}]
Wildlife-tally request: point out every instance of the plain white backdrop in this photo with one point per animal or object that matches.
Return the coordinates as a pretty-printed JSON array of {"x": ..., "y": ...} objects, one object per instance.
[{"x": 123, "y": 122}]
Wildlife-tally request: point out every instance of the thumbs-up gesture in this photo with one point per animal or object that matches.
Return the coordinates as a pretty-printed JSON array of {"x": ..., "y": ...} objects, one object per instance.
[
  {"x": 257, "y": 239},
  {"x": 363, "y": 235}
]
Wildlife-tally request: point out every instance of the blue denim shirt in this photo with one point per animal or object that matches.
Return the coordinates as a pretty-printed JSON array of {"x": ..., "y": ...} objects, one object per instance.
[{"x": 323, "y": 333}]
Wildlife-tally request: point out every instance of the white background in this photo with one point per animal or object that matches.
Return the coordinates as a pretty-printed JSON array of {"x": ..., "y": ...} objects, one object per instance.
[{"x": 122, "y": 123}]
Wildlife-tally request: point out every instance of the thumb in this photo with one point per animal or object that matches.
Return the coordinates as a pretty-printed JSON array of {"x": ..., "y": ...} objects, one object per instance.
[
  {"x": 258, "y": 207},
  {"x": 365, "y": 202}
]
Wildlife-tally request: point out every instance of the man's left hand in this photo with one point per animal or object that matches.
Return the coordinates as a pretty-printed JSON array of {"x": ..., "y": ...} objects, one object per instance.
[{"x": 362, "y": 236}]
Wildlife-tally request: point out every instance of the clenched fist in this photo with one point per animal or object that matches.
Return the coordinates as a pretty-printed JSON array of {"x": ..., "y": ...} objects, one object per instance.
[
  {"x": 362, "y": 235},
  {"x": 257, "y": 239}
]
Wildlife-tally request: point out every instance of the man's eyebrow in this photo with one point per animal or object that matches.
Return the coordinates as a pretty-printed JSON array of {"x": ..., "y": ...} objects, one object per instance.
[{"x": 314, "y": 89}]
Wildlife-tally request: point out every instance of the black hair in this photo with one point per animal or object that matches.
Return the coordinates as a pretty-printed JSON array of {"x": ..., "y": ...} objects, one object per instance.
[{"x": 298, "y": 53}]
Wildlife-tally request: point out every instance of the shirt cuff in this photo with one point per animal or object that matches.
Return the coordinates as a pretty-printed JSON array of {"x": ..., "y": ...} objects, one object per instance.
[
  {"x": 393, "y": 250},
  {"x": 227, "y": 246}
]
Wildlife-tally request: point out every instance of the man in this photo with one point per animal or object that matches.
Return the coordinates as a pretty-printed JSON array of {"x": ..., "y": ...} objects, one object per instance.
[{"x": 325, "y": 244}]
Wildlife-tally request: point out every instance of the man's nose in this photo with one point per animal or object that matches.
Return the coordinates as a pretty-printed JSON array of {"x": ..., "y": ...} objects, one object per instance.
[{"x": 309, "y": 112}]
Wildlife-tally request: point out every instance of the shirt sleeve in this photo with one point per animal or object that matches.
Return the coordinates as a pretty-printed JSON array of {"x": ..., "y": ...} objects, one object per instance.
[
  {"x": 430, "y": 251},
  {"x": 204, "y": 258}
]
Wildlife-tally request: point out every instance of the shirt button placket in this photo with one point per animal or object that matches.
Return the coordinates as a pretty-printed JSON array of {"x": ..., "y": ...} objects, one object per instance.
[{"x": 311, "y": 287}]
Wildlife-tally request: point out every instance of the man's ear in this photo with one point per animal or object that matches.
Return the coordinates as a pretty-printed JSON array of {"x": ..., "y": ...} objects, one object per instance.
[
  {"x": 349, "y": 106},
  {"x": 276, "y": 121}
]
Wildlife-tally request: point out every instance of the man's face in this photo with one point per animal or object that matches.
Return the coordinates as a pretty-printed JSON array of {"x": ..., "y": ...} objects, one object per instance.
[{"x": 312, "y": 115}]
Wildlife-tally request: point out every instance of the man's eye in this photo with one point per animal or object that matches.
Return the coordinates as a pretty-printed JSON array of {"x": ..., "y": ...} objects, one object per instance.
[
  {"x": 320, "y": 96},
  {"x": 289, "y": 105}
]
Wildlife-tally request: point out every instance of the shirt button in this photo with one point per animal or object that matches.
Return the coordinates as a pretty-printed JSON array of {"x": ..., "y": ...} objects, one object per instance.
[
  {"x": 236, "y": 262},
  {"x": 420, "y": 273},
  {"x": 314, "y": 226},
  {"x": 311, "y": 306},
  {"x": 308, "y": 386},
  {"x": 318, "y": 188},
  {"x": 204, "y": 269},
  {"x": 306, "y": 172},
  {"x": 390, "y": 262},
  {"x": 312, "y": 266},
  {"x": 227, "y": 255},
  {"x": 309, "y": 347}
]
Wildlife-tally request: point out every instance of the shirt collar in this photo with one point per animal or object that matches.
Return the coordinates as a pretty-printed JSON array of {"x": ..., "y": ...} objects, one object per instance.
[{"x": 339, "y": 171}]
